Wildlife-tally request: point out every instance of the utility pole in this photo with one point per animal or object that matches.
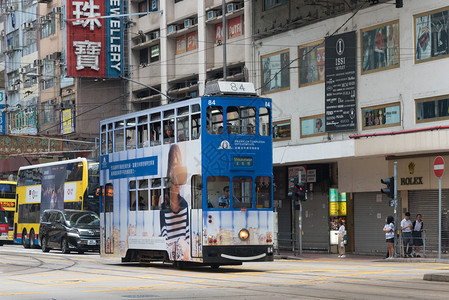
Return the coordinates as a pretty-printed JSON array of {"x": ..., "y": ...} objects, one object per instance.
[{"x": 223, "y": 26}]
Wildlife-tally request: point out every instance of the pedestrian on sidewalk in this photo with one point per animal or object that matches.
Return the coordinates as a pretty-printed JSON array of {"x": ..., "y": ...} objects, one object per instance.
[
  {"x": 417, "y": 236},
  {"x": 389, "y": 236},
  {"x": 407, "y": 227},
  {"x": 341, "y": 241}
]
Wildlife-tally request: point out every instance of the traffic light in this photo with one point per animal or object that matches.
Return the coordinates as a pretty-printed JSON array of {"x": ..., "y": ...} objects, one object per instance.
[
  {"x": 389, "y": 190},
  {"x": 301, "y": 191}
]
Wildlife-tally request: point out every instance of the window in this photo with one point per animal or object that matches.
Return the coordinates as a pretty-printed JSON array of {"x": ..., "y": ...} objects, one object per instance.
[
  {"x": 275, "y": 72},
  {"x": 281, "y": 130},
  {"x": 196, "y": 122},
  {"x": 142, "y": 203},
  {"x": 154, "y": 53},
  {"x": 169, "y": 127},
  {"x": 431, "y": 35},
  {"x": 241, "y": 120},
  {"x": 269, "y": 4},
  {"x": 155, "y": 193},
  {"x": 380, "y": 47},
  {"x": 263, "y": 192},
  {"x": 119, "y": 137},
  {"x": 155, "y": 129},
  {"x": 186, "y": 42},
  {"x": 29, "y": 41},
  {"x": 142, "y": 132},
  {"x": 49, "y": 74},
  {"x": 381, "y": 116},
  {"x": 264, "y": 121},
  {"x": 215, "y": 120},
  {"x": 47, "y": 25},
  {"x": 242, "y": 192},
  {"x": 110, "y": 138},
  {"x": 197, "y": 192},
  {"x": 311, "y": 63},
  {"x": 108, "y": 198},
  {"x": 49, "y": 112},
  {"x": 312, "y": 126},
  {"x": 216, "y": 186},
  {"x": 142, "y": 8},
  {"x": 130, "y": 134},
  {"x": 132, "y": 195},
  {"x": 432, "y": 109},
  {"x": 143, "y": 56},
  {"x": 182, "y": 125}
]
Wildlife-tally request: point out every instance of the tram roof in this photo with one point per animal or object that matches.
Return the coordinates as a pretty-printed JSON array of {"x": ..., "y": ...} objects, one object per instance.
[{"x": 62, "y": 162}]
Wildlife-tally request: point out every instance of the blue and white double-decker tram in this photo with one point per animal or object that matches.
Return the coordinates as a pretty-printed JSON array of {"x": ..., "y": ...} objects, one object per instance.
[{"x": 190, "y": 181}]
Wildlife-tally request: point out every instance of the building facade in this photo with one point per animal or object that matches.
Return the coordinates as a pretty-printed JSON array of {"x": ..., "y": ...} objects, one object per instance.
[{"x": 343, "y": 134}]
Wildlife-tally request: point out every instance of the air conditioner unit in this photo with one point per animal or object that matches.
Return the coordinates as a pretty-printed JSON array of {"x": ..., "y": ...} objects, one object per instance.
[
  {"x": 29, "y": 25},
  {"x": 38, "y": 63},
  {"x": 231, "y": 7},
  {"x": 10, "y": 8},
  {"x": 12, "y": 88},
  {"x": 57, "y": 10},
  {"x": 189, "y": 23},
  {"x": 22, "y": 70},
  {"x": 172, "y": 29},
  {"x": 23, "y": 26},
  {"x": 211, "y": 14}
]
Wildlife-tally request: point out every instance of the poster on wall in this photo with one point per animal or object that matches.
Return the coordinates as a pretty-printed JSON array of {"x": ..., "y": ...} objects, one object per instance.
[
  {"x": 340, "y": 85},
  {"x": 380, "y": 47},
  {"x": 311, "y": 63},
  {"x": 67, "y": 118},
  {"x": 94, "y": 44},
  {"x": 312, "y": 126},
  {"x": 381, "y": 116},
  {"x": 275, "y": 72},
  {"x": 431, "y": 35}
]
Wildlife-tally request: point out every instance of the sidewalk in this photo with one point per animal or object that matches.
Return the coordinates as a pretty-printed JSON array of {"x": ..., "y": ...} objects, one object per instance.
[{"x": 442, "y": 277}]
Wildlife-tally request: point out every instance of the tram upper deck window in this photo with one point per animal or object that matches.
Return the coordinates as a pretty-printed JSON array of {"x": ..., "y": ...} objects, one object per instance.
[
  {"x": 131, "y": 134},
  {"x": 110, "y": 137},
  {"x": 215, "y": 120},
  {"x": 169, "y": 136},
  {"x": 242, "y": 189},
  {"x": 155, "y": 193},
  {"x": 155, "y": 129},
  {"x": 142, "y": 132},
  {"x": 264, "y": 121},
  {"x": 263, "y": 192},
  {"x": 241, "y": 120},
  {"x": 119, "y": 137},
  {"x": 196, "y": 122},
  {"x": 103, "y": 139},
  {"x": 216, "y": 197},
  {"x": 182, "y": 125}
]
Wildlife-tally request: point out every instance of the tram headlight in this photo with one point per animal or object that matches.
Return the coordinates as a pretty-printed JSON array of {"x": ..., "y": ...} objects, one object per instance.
[{"x": 244, "y": 234}]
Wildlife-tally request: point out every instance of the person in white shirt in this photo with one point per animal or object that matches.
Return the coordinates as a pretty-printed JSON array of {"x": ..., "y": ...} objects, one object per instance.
[
  {"x": 341, "y": 241},
  {"x": 389, "y": 236},
  {"x": 407, "y": 227}
]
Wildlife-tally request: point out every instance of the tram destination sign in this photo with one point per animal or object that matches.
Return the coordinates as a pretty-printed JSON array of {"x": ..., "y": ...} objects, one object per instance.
[{"x": 340, "y": 86}]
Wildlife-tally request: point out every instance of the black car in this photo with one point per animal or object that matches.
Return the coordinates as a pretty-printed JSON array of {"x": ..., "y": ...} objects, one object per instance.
[{"x": 69, "y": 230}]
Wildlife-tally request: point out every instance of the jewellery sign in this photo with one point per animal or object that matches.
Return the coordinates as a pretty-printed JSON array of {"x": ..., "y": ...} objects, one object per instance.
[
  {"x": 340, "y": 83},
  {"x": 94, "y": 43}
]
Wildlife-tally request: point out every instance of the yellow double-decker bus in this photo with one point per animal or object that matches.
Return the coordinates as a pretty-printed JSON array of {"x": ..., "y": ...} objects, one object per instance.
[
  {"x": 68, "y": 184},
  {"x": 8, "y": 202}
]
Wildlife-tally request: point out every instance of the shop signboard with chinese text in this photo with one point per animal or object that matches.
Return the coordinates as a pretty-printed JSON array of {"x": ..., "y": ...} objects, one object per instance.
[{"x": 94, "y": 44}]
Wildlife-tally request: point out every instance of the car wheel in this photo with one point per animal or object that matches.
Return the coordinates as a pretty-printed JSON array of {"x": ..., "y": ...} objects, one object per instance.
[
  {"x": 25, "y": 243},
  {"x": 81, "y": 251},
  {"x": 215, "y": 266},
  {"x": 32, "y": 241},
  {"x": 65, "y": 246},
  {"x": 44, "y": 244}
]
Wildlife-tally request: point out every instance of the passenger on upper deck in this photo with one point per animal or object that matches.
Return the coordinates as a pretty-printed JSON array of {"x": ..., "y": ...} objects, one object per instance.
[{"x": 169, "y": 135}]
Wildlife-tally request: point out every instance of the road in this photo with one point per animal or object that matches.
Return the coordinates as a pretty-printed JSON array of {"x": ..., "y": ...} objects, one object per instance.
[{"x": 31, "y": 274}]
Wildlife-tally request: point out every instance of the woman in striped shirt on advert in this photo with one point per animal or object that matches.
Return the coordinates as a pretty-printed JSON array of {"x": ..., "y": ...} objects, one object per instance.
[{"x": 174, "y": 211}]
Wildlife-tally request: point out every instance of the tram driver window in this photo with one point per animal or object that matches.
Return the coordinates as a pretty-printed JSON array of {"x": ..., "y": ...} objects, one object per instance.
[
  {"x": 242, "y": 189},
  {"x": 263, "y": 192},
  {"x": 241, "y": 120},
  {"x": 216, "y": 197},
  {"x": 215, "y": 120}
]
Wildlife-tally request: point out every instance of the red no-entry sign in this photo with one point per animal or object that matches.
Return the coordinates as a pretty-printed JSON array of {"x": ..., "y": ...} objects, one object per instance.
[{"x": 438, "y": 166}]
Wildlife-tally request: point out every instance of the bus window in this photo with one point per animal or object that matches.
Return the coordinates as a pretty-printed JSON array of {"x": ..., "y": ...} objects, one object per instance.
[
  {"x": 242, "y": 189},
  {"x": 74, "y": 171},
  {"x": 119, "y": 136},
  {"x": 143, "y": 195},
  {"x": 264, "y": 121},
  {"x": 241, "y": 120},
  {"x": 7, "y": 191},
  {"x": 155, "y": 133},
  {"x": 142, "y": 132},
  {"x": 216, "y": 186},
  {"x": 263, "y": 192},
  {"x": 182, "y": 127},
  {"x": 215, "y": 120},
  {"x": 155, "y": 193},
  {"x": 108, "y": 198},
  {"x": 132, "y": 195},
  {"x": 169, "y": 136},
  {"x": 195, "y": 125},
  {"x": 130, "y": 134}
]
